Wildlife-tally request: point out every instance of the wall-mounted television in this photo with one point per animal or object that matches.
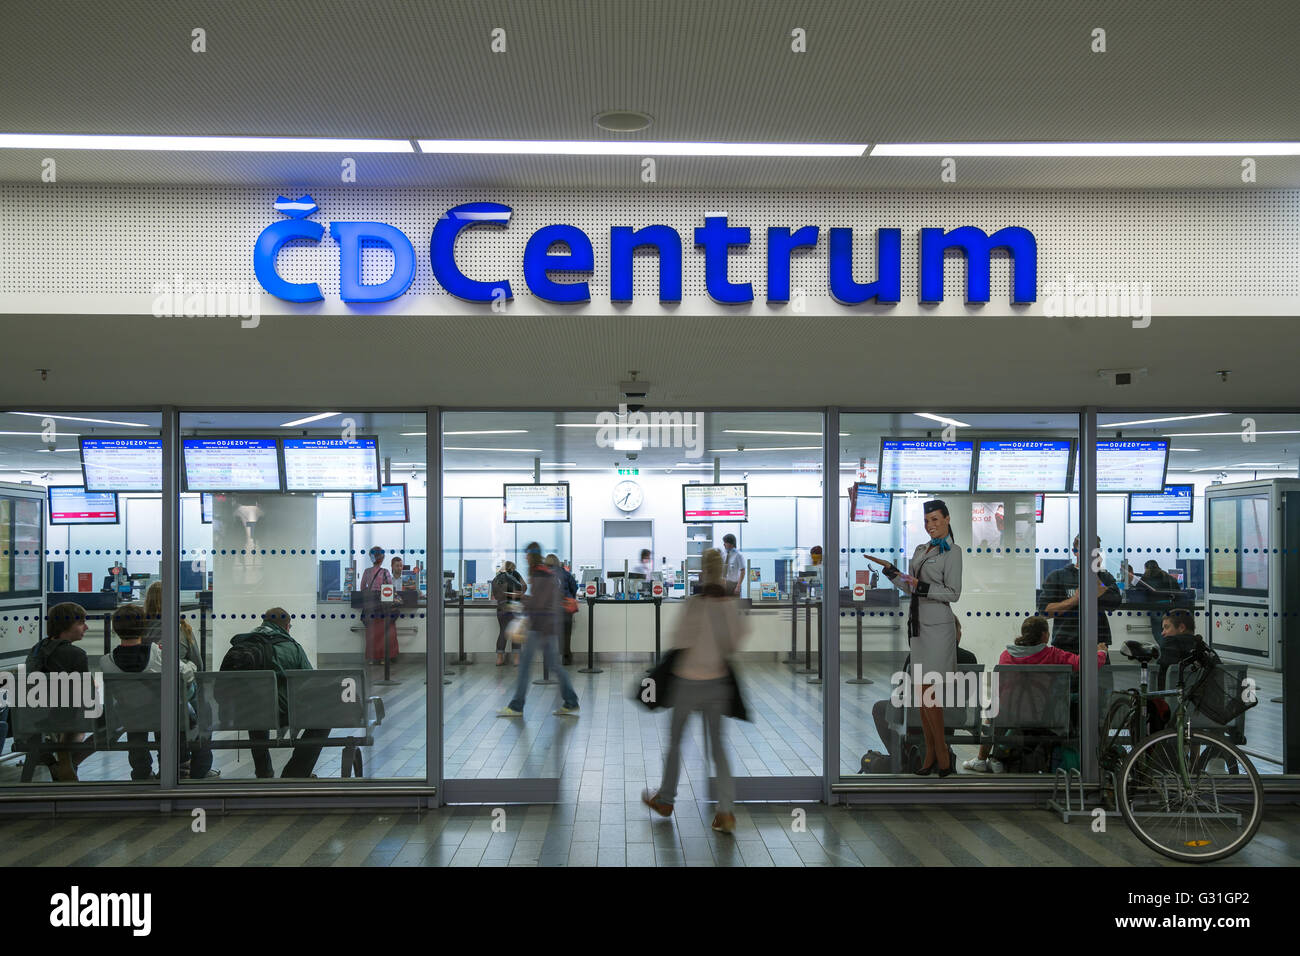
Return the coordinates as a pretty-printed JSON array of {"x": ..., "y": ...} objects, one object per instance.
[
  {"x": 1024, "y": 465},
  {"x": 231, "y": 464},
  {"x": 868, "y": 505},
  {"x": 331, "y": 464},
  {"x": 1125, "y": 466},
  {"x": 533, "y": 503},
  {"x": 73, "y": 504},
  {"x": 916, "y": 464},
  {"x": 389, "y": 505},
  {"x": 723, "y": 503},
  {"x": 121, "y": 464},
  {"x": 1173, "y": 505}
]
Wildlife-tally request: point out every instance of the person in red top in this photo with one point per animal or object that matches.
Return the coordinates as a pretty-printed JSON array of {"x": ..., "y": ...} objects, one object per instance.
[
  {"x": 1031, "y": 647},
  {"x": 378, "y": 617}
]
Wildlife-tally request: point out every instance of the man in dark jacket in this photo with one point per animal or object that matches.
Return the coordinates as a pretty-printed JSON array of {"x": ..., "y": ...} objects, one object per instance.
[
  {"x": 544, "y": 605},
  {"x": 1058, "y": 599},
  {"x": 286, "y": 655}
]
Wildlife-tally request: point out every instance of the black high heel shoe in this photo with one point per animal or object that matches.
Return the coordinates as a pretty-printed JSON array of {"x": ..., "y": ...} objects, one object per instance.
[
  {"x": 926, "y": 770},
  {"x": 952, "y": 764}
]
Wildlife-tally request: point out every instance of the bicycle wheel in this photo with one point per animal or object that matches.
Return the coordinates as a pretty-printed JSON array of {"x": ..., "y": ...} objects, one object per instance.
[
  {"x": 1209, "y": 816},
  {"x": 1115, "y": 739}
]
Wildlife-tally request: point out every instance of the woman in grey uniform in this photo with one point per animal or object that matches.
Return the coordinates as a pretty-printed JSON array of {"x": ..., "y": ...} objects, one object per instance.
[{"x": 934, "y": 584}]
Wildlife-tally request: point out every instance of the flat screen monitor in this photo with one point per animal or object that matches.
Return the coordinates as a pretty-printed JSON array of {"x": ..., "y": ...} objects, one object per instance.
[
  {"x": 914, "y": 464},
  {"x": 205, "y": 508},
  {"x": 1129, "y": 466},
  {"x": 388, "y": 505},
  {"x": 1173, "y": 505},
  {"x": 868, "y": 505},
  {"x": 1038, "y": 507},
  {"x": 527, "y": 504},
  {"x": 1024, "y": 465},
  {"x": 231, "y": 464},
  {"x": 705, "y": 504},
  {"x": 331, "y": 464},
  {"x": 72, "y": 504},
  {"x": 121, "y": 464}
]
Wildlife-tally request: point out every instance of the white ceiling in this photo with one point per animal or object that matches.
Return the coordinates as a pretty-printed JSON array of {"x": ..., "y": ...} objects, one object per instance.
[{"x": 874, "y": 71}]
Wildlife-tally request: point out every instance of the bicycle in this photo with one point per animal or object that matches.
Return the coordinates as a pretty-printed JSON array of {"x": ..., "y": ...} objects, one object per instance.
[{"x": 1187, "y": 794}]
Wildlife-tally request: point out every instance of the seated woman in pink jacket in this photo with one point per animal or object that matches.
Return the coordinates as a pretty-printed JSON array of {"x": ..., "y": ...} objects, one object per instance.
[{"x": 1031, "y": 647}]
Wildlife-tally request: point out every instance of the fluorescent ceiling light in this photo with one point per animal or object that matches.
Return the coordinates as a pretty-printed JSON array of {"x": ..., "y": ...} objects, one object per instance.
[
  {"x": 1155, "y": 421},
  {"x": 41, "y": 434},
  {"x": 204, "y": 144},
  {"x": 559, "y": 464},
  {"x": 1184, "y": 449},
  {"x": 1236, "y": 434},
  {"x": 535, "y": 451},
  {"x": 622, "y": 424},
  {"x": 940, "y": 418},
  {"x": 498, "y": 431},
  {"x": 73, "y": 418},
  {"x": 627, "y": 444},
  {"x": 637, "y": 148},
  {"x": 310, "y": 418},
  {"x": 693, "y": 464},
  {"x": 48, "y": 450},
  {"x": 782, "y": 448},
  {"x": 1086, "y": 149},
  {"x": 758, "y": 431}
]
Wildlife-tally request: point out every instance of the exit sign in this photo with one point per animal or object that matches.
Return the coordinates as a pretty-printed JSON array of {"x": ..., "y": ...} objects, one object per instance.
[{"x": 629, "y": 471}]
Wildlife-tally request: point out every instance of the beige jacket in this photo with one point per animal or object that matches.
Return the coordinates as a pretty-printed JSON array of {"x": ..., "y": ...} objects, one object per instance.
[{"x": 710, "y": 629}]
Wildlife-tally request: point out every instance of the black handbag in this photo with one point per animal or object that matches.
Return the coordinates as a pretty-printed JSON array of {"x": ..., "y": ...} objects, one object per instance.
[{"x": 655, "y": 689}]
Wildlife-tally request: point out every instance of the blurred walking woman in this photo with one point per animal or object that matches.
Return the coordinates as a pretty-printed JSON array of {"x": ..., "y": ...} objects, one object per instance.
[
  {"x": 709, "y": 632},
  {"x": 934, "y": 584}
]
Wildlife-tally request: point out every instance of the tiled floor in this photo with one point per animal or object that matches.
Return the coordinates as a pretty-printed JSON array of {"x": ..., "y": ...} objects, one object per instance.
[{"x": 610, "y": 834}]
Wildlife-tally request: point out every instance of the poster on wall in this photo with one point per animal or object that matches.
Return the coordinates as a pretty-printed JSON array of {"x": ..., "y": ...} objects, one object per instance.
[{"x": 987, "y": 519}]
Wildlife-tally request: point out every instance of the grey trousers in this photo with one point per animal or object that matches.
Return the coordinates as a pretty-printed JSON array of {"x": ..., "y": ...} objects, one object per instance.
[{"x": 709, "y": 697}]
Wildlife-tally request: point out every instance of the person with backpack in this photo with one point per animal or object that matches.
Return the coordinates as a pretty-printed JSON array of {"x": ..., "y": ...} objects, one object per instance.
[
  {"x": 1030, "y": 647},
  {"x": 507, "y": 588},
  {"x": 135, "y": 654},
  {"x": 381, "y": 622},
  {"x": 57, "y": 653},
  {"x": 269, "y": 647},
  {"x": 544, "y": 606}
]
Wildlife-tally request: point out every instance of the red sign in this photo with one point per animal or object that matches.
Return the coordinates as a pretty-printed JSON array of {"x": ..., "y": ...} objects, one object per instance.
[
  {"x": 591, "y": 589},
  {"x": 84, "y": 580},
  {"x": 657, "y": 590},
  {"x": 859, "y": 592},
  {"x": 385, "y": 592}
]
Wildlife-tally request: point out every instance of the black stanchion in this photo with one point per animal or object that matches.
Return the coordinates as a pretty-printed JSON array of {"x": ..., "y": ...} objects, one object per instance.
[
  {"x": 859, "y": 679},
  {"x": 389, "y": 619},
  {"x": 818, "y": 678},
  {"x": 658, "y": 603},
  {"x": 591, "y": 667},
  {"x": 807, "y": 640},
  {"x": 462, "y": 659},
  {"x": 794, "y": 627}
]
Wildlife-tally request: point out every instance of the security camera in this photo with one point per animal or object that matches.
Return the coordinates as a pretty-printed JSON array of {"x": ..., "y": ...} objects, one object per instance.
[
  {"x": 740, "y": 448},
  {"x": 634, "y": 394},
  {"x": 631, "y": 456}
]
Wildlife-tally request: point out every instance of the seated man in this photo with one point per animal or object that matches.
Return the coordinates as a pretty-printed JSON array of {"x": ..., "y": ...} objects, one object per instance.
[
  {"x": 58, "y": 654},
  {"x": 1177, "y": 639},
  {"x": 134, "y": 656},
  {"x": 285, "y": 654}
]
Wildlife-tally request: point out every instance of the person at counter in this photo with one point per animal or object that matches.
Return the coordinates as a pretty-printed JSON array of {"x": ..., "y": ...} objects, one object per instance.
[
  {"x": 569, "y": 598},
  {"x": 507, "y": 587},
  {"x": 114, "y": 577},
  {"x": 733, "y": 566},
  {"x": 646, "y": 566},
  {"x": 1058, "y": 599},
  {"x": 381, "y": 621},
  {"x": 934, "y": 584}
]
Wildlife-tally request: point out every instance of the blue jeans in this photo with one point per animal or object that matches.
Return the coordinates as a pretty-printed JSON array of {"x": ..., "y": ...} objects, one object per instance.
[{"x": 551, "y": 657}]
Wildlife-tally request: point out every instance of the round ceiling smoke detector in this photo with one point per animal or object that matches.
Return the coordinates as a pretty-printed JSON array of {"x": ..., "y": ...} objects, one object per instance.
[{"x": 623, "y": 121}]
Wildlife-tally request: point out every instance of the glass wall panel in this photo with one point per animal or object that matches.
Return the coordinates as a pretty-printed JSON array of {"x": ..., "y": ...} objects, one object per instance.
[
  {"x": 1225, "y": 562},
  {"x": 75, "y": 565},
  {"x": 303, "y": 596},
  {"x": 636, "y": 524},
  {"x": 996, "y": 617}
]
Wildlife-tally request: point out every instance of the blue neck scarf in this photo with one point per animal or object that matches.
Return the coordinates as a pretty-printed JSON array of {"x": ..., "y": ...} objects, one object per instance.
[{"x": 940, "y": 543}]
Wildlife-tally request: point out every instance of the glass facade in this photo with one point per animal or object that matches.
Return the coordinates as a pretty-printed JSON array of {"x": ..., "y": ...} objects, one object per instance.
[{"x": 298, "y": 647}]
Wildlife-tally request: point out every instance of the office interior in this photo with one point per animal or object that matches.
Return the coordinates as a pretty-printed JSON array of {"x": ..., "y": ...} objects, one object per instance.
[{"x": 628, "y": 489}]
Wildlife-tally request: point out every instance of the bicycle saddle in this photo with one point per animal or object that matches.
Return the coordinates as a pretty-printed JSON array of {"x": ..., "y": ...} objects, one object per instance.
[{"x": 1142, "y": 653}]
